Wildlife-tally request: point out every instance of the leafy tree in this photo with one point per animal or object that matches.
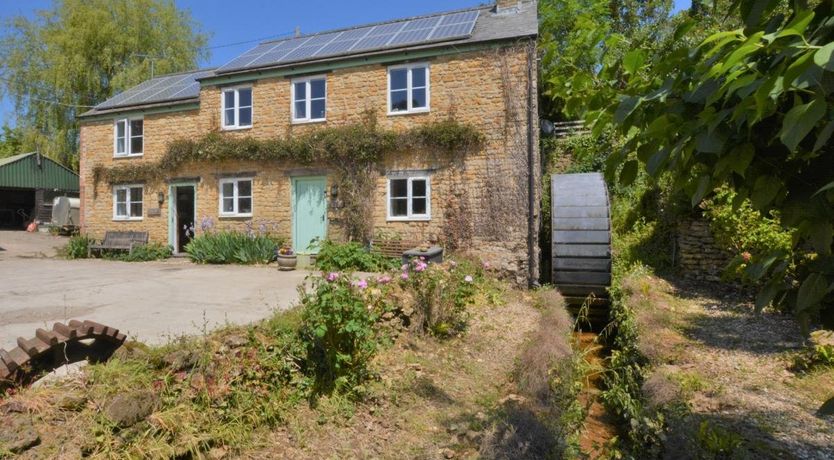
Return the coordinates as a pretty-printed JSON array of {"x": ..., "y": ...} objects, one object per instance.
[
  {"x": 751, "y": 109},
  {"x": 79, "y": 53},
  {"x": 10, "y": 142},
  {"x": 580, "y": 37}
]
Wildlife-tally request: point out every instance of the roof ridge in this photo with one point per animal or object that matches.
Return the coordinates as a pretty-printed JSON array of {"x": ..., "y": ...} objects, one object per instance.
[{"x": 379, "y": 23}]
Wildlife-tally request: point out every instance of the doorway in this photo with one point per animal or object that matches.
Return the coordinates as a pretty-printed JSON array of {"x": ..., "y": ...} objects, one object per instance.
[
  {"x": 182, "y": 215},
  {"x": 309, "y": 212}
]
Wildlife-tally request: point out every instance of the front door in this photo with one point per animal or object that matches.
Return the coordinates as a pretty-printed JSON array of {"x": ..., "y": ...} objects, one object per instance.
[
  {"x": 309, "y": 212},
  {"x": 182, "y": 215}
]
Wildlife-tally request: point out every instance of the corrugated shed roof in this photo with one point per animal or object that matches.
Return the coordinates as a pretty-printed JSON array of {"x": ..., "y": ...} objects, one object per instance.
[
  {"x": 490, "y": 26},
  {"x": 31, "y": 170}
]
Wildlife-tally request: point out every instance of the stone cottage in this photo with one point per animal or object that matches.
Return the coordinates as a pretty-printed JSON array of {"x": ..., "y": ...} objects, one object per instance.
[{"x": 466, "y": 71}]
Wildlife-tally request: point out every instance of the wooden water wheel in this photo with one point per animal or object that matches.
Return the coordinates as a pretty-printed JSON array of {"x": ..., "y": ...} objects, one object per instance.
[{"x": 582, "y": 242}]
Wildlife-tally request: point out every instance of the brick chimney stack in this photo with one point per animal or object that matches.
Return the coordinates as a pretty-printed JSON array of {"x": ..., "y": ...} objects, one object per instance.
[{"x": 506, "y": 4}]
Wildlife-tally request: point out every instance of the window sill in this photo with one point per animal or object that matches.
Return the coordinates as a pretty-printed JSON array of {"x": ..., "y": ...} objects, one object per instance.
[
  {"x": 125, "y": 157},
  {"x": 408, "y": 112},
  {"x": 409, "y": 219},
  {"x": 127, "y": 219},
  {"x": 235, "y": 128},
  {"x": 308, "y": 122},
  {"x": 234, "y": 216}
]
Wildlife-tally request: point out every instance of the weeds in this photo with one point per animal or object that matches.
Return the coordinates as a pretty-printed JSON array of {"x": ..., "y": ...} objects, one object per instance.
[{"x": 77, "y": 247}]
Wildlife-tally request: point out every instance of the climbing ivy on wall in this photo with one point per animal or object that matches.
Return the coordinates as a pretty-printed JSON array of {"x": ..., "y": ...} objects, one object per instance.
[{"x": 353, "y": 151}]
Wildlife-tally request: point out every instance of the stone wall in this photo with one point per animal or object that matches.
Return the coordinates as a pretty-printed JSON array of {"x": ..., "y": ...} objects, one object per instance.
[
  {"x": 697, "y": 255},
  {"x": 485, "y": 193}
]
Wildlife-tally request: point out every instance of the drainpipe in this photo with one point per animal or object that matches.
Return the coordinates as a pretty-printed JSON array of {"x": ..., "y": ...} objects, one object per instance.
[{"x": 532, "y": 229}]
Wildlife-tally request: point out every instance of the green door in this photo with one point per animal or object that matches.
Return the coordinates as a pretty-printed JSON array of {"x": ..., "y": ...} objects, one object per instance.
[{"x": 309, "y": 212}]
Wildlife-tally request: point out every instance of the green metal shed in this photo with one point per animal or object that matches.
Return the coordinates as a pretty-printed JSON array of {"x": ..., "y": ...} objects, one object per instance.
[{"x": 28, "y": 183}]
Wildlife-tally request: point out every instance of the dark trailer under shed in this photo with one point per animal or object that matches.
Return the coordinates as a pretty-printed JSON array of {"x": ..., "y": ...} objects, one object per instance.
[{"x": 28, "y": 184}]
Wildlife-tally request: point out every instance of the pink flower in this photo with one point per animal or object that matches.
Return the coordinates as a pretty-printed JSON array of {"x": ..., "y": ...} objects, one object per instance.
[
  {"x": 486, "y": 265},
  {"x": 404, "y": 267},
  {"x": 404, "y": 275},
  {"x": 332, "y": 276},
  {"x": 453, "y": 264},
  {"x": 385, "y": 279},
  {"x": 361, "y": 284},
  {"x": 468, "y": 278},
  {"x": 420, "y": 266},
  {"x": 746, "y": 256}
]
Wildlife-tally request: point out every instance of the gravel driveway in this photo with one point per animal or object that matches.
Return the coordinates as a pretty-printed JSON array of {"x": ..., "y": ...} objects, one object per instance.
[{"x": 149, "y": 301}]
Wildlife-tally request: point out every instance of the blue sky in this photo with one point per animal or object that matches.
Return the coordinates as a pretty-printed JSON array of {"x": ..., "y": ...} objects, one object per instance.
[{"x": 250, "y": 20}]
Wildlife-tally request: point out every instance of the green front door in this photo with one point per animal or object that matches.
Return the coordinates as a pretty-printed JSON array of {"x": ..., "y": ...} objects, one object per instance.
[{"x": 309, "y": 212}]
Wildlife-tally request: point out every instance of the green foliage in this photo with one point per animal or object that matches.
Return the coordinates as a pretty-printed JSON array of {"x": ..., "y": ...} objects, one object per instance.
[
  {"x": 230, "y": 247},
  {"x": 77, "y": 246},
  {"x": 79, "y": 52},
  {"x": 749, "y": 109},
  {"x": 358, "y": 143},
  {"x": 11, "y": 142},
  {"x": 643, "y": 218},
  {"x": 143, "y": 253},
  {"x": 580, "y": 36},
  {"x": 337, "y": 330},
  {"x": 351, "y": 256},
  {"x": 716, "y": 442},
  {"x": 442, "y": 293},
  {"x": 818, "y": 354},
  {"x": 626, "y": 372},
  {"x": 746, "y": 233}
]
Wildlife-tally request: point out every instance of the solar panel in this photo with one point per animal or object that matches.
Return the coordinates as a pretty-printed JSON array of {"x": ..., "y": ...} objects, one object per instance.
[
  {"x": 372, "y": 42},
  {"x": 458, "y": 18},
  {"x": 357, "y": 40},
  {"x": 425, "y": 23},
  {"x": 455, "y": 30},
  {"x": 160, "y": 89},
  {"x": 384, "y": 29},
  {"x": 413, "y": 36}
]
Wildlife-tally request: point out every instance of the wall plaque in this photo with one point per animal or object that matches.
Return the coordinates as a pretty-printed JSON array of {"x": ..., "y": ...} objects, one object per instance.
[{"x": 154, "y": 212}]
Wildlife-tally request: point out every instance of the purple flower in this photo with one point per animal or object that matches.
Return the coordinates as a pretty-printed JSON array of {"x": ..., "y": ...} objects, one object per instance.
[
  {"x": 206, "y": 224},
  {"x": 468, "y": 278},
  {"x": 404, "y": 267},
  {"x": 332, "y": 276},
  {"x": 420, "y": 266},
  {"x": 404, "y": 275},
  {"x": 487, "y": 265},
  {"x": 361, "y": 284},
  {"x": 385, "y": 279}
]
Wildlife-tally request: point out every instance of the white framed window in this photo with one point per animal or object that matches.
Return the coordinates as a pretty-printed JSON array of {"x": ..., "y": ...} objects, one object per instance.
[
  {"x": 409, "y": 197},
  {"x": 309, "y": 99},
  {"x": 127, "y": 202},
  {"x": 128, "y": 137},
  {"x": 408, "y": 89},
  {"x": 236, "y": 111},
  {"x": 236, "y": 197}
]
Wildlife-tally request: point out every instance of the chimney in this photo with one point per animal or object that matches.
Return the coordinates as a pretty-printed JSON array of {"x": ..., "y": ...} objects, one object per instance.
[
  {"x": 501, "y": 6},
  {"x": 297, "y": 31}
]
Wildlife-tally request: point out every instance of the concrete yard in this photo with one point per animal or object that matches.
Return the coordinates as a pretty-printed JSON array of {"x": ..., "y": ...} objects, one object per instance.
[{"x": 148, "y": 301}]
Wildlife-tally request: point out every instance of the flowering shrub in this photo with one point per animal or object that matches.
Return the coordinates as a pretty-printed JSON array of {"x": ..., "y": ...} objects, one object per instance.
[
  {"x": 442, "y": 292},
  {"x": 337, "y": 328}
]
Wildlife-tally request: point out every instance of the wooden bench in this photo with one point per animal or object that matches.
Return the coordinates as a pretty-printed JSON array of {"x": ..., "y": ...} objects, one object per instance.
[
  {"x": 392, "y": 248},
  {"x": 119, "y": 241}
]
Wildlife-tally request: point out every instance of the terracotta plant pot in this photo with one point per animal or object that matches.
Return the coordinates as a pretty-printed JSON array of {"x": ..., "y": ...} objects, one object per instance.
[{"x": 287, "y": 263}]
